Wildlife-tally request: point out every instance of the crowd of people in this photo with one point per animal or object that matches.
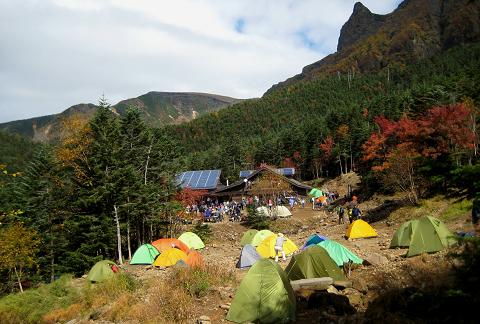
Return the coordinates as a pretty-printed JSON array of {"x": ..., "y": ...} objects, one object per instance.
[{"x": 214, "y": 210}]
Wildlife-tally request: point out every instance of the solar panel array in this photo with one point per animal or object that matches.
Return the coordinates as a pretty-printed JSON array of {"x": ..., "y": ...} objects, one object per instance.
[
  {"x": 245, "y": 173},
  {"x": 282, "y": 171},
  {"x": 204, "y": 179}
]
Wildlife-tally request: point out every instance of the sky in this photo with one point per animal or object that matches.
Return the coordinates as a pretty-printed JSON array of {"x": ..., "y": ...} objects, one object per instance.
[{"x": 58, "y": 53}]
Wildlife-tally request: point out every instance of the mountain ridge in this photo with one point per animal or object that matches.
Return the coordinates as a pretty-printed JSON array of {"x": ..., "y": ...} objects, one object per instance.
[
  {"x": 417, "y": 29},
  {"x": 157, "y": 109}
]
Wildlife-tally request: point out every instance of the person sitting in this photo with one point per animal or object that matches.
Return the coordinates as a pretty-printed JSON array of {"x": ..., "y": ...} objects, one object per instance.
[
  {"x": 208, "y": 214},
  {"x": 279, "y": 247}
]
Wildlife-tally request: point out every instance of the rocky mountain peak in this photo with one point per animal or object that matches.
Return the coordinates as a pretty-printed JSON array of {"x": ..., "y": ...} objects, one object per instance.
[{"x": 361, "y": 24}]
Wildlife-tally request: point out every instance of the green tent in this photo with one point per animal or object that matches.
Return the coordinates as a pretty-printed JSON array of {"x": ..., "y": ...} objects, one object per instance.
[
  {"x": 101, "y": 271},
  {"x": 339, "y": 253},
  {"x": 403, "y": 236},
  {"x": 313, "y": 262},
  {"x": 315, "y": 192},
  {"x": 424, "y": 235},
  {"x": 264, "y": 295},
  {"x": 260, "y": 236},
  {"x": 248, "y": 236},
  {"x": 145, "y": 254},
  {"x": 192, "y": 240}
]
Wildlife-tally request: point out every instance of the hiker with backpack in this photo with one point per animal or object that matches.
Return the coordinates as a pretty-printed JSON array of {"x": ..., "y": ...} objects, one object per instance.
[{"x": 356, "y": 213}]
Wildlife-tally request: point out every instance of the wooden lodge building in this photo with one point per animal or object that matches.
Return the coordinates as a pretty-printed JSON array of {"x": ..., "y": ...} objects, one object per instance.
[{"x": 263, "y": 182}]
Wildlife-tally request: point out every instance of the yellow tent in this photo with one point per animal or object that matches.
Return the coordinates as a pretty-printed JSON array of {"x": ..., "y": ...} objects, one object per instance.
[
  {"x": 170, "y": 257},
  {"x": 266, "y": 249},
  {"x": 359, "y": 229}
]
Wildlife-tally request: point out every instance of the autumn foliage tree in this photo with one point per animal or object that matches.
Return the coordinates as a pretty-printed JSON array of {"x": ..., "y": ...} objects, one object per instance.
[
  {"x": 18, "y": 246},
  {"x": 400, "y": 147}
]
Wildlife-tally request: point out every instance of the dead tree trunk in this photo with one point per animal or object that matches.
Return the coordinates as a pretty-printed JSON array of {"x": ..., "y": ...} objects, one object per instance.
[
  {"x": 146, "y": 163},
  {"x": 18, "y": 279},
  {"x": 119, "y": 236},
  {"x": 128, "y": 241}
]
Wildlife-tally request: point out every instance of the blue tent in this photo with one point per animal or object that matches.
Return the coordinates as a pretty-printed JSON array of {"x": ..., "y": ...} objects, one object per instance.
[
  {"x": 248, "y": 257},
  {"x": 313, "y": 239}
]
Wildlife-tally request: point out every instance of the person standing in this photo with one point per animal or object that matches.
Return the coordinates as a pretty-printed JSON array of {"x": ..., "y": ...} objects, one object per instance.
[
  {"x": 302, "y": 201},
  {"x": 291, "y": 202},
  {"x": 341, "y": 214}
]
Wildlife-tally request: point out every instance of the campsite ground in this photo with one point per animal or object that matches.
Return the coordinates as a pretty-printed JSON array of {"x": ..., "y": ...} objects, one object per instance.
[
  {"x": 164, "y": 296},
  {"x": 388, "y": 268}
]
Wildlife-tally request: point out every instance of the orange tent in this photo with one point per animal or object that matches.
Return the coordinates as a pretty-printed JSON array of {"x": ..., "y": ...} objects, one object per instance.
[
  {"x": 195, "y": 259},
  {"x": 167, "y": 243}
]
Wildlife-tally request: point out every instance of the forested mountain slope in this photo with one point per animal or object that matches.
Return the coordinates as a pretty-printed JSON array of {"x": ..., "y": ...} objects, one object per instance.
[{"x": 288, "y": 126}]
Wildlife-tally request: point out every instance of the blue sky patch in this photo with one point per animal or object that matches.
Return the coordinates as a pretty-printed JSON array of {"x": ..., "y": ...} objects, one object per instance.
[
  {"x": 240, "y": 25},
  {"x": 307, "y": 41}
]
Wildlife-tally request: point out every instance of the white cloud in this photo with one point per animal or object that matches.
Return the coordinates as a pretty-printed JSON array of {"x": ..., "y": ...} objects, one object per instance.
[{"x": 56, "y": 53}]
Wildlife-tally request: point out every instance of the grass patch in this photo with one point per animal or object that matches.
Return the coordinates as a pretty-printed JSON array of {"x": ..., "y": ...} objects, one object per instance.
[
  {"x": 33, "y": 304},
  {"x": 164, "y": 303},
  {"x": 457, "y": 209},
  {"x": 198, "y": 281},
  {"x": 439, "y": 207},
  {"x": 170, "y": 299}
]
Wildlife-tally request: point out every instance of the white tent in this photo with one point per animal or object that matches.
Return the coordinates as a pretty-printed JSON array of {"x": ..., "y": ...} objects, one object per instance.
[
  {"x": 281, "y": 211},
  {"x": 263, "y": 210}
]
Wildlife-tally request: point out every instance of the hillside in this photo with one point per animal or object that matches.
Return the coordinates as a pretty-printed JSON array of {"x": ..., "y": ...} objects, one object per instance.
[
  {"x": 157, "y": 109},
  {"x": 296, "y": 120},
  {"x": 417, "y": 29}
]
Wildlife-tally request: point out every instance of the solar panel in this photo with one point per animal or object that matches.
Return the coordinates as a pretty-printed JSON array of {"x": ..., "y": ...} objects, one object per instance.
[
  {"x": 245, "y": 173},
  {"x": 288, "y": 171},
  {"x": 204, "y": 179}
]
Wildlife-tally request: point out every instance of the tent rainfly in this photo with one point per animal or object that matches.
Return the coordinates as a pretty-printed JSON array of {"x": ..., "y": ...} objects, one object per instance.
[
  {"x": 264, "y": 295},
  {"x": 248, "y": 257}
]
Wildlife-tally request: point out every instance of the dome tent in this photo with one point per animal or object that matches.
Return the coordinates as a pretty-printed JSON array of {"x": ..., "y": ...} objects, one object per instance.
[
  {"x": 145, "y": 254},
  {"x": 264, "y": 295},
  {"x": 260, "y": 236},
  {"x": 313, "y": 239},
  {"x": 360, "y": 229},
  {"x": 101, "y": 271},
  {"x": 314, "y": 262},
  {"x": 170, "y": 257},
  {"x": 167, "y": 243},
  {"x": 266, "y": 249},
  {"x": 339, "y": 253},
  {"x": 248, "y": 237},
  {"x": 248, "y": 256},
  {"x": 192, "y": 240},
  {"x": 426, "y": 235}
]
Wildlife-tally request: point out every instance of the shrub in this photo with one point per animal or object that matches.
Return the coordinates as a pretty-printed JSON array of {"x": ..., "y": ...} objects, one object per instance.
[
  {"x": 256, "y": 220},
  {"x": 203, "y": 231}
]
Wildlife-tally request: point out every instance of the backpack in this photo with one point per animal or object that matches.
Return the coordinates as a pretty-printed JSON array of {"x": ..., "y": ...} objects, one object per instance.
[{"x": 355, "y": 212}]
